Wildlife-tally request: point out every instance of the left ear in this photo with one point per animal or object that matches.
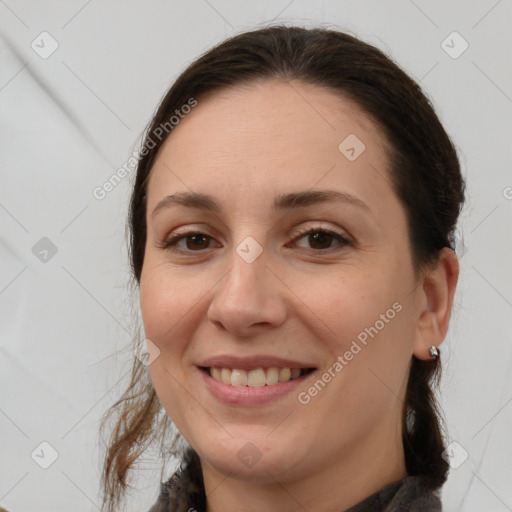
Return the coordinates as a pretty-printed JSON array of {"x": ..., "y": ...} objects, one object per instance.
[{"x": 435, "y": 299}]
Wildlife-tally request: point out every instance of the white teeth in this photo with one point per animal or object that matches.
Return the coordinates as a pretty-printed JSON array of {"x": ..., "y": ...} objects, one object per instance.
[
  {"x": 216, "y": 373},
  {"x": 284, "y": 374},
  {"x": 238, "y": 378},
  {"x": 225, "y": 375},
  {"x": 272, "y": 376},
  {"x": 256, "y": 378}
]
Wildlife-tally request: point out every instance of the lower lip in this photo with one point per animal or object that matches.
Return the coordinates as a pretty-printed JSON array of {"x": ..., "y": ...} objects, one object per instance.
[{"x": 246, "y": 395}]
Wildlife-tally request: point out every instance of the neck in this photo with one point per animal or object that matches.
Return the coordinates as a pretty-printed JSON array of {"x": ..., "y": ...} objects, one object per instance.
[{"x": 339, "y": 483}]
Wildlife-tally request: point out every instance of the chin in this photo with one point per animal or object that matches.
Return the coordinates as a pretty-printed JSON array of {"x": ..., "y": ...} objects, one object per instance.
[{"x": 255, "y": 458}]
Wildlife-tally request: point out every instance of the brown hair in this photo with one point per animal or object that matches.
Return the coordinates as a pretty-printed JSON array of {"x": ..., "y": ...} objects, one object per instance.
[{"x": 424, "y": 171}]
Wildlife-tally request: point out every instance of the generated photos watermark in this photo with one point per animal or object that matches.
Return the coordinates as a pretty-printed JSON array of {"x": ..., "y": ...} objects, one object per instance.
[
  {"x": 330, "y": 373},
  {"x": 160, "y": 132}
]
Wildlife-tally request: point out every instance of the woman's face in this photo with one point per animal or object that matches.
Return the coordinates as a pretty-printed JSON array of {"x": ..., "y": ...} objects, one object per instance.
[{"x": 252, "y": 291}]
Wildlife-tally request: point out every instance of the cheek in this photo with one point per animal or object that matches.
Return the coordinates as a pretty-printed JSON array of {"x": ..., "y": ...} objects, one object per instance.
[
  {"x": 366, "y": 319},
  {"x": 170, "y": 306},
  {"x": 343, "y": 302},
  {"x": 167, "y": 298}
]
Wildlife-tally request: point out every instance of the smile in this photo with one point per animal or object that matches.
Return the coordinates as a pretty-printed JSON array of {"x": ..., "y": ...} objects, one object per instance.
[
  {"x": 256, "y": 386},
  {"x": 257, "y": 377}
]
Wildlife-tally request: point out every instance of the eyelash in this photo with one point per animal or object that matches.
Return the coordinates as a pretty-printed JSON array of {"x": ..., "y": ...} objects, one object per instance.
[{"x": 171, "y": 243}]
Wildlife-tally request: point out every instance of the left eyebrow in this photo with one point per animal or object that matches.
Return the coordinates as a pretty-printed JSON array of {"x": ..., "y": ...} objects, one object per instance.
[
  {"x": 282, "y": 202},
  {"x": 312, "y": 197}
]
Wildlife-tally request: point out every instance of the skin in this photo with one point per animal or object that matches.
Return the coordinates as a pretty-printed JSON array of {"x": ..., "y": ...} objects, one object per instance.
[{"x": 298, "y": 300}]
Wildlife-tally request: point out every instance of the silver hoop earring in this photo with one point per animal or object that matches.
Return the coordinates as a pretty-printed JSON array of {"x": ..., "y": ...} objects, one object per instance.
[{"x": 434, "y": 353}]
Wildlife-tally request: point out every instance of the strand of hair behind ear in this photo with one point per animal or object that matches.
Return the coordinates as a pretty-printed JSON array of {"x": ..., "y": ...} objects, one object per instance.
[{"x": 422, "y": 436}]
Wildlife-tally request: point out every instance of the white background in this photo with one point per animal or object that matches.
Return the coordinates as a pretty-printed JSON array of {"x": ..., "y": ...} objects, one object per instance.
[{"x": 69, "y": 121}]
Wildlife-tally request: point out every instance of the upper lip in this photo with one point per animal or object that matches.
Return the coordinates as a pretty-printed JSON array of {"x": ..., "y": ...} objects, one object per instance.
[{"x": 251, "y": 363}]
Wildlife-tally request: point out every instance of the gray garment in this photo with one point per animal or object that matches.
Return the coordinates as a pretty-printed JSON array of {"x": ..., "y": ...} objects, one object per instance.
[{"x": 407, "y": 495}]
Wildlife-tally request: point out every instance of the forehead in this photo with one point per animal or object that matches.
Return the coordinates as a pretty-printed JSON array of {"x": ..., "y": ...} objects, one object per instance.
[
  {"x": 274, "y": 115},
  {"x": 271, "y": 137}
]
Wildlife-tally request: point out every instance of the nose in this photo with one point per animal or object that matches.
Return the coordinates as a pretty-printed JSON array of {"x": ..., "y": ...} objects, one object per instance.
[{"x": 248, "y": 298}]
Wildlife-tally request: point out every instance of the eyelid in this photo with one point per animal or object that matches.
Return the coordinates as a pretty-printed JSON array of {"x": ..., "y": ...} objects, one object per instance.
[
  {"x": 321, "y": 227},
  {"x": 343, "y": 240},
  {"x": 177, "y": 236}
]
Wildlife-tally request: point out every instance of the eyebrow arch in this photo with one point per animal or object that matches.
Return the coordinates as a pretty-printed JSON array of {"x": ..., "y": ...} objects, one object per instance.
[{"x": 281, "y": 202}]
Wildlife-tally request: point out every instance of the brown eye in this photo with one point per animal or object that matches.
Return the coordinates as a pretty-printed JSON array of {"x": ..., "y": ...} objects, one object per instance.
[
  {"x": 322, "y": 240},
  {"x": 318, "y": 240},
  {"x": 193, "y": 242},
  {"x": 198, "y": 241}
]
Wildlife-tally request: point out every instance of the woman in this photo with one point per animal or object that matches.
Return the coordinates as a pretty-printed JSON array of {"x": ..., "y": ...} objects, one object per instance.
[{"x": 292, "y": 228}]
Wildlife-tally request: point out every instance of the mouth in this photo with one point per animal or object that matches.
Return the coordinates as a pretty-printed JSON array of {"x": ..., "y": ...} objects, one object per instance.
[
  {"x": 258, "y": 379},
  {"x": 255, "y": 386},
  {"x": 255, "y": 378}
]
